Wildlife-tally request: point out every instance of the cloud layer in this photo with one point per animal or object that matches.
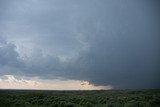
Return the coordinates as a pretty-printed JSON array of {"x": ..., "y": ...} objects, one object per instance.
[{"x": 104, "y": 42}]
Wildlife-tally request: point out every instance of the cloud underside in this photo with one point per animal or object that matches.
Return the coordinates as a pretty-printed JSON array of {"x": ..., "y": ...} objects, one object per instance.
[{"x": 113, "y": 43}]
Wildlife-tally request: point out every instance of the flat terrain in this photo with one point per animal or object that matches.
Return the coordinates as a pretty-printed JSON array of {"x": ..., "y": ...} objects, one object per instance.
[{"x": 102, "y": 98}]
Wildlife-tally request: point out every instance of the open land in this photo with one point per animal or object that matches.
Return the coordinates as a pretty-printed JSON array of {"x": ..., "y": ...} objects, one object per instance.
[{"x": 95, "y": 98}]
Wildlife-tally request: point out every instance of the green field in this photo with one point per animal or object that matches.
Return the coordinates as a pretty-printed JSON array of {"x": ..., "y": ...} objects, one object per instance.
[{"x": 102, "y": 98}]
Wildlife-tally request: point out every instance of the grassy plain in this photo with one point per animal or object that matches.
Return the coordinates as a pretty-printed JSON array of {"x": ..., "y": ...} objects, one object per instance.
[{"x": 101, "y": 98}]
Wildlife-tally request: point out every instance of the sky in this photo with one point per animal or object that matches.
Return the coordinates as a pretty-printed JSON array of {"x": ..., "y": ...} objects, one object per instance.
[{"x": 79, "y": 44}]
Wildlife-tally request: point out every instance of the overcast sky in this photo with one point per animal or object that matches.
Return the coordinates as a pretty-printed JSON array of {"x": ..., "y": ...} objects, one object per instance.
[{"x": 111, "y": 43}]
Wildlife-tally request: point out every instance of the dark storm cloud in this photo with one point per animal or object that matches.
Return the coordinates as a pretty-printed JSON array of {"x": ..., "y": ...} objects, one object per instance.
[
  {"x": 107, "y": 42},
  {"x": 37, "y": 65},
  {"x": 124, "y": 47},
  {"x": 8, "y": 57}
]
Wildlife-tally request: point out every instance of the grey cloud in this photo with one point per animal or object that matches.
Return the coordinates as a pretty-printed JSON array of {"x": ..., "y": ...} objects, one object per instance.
[
  {"x": 35, "y": 65},
  {"x": 8, "y": 54},
  {"x": 124, "y": 49},
  {"x": 9, "y": 58},
  {"x": 113, "y": 42},
  {"x": 48, "y": 25}
]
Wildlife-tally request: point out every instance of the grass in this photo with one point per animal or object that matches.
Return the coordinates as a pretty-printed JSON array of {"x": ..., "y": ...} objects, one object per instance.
[{"x": 101, "y": 98}]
